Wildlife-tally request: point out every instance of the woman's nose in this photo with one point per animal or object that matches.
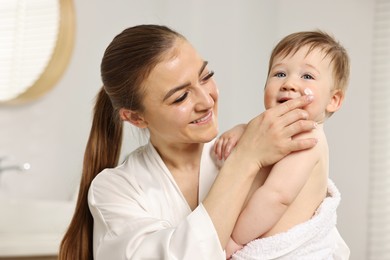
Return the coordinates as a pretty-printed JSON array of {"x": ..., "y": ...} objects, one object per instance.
[{"x": 205, "y": 98}]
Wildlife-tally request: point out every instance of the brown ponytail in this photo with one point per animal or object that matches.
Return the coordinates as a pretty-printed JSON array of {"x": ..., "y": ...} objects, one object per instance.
[
  {"x": 102, "y": 151},
  {"x": 126, "y": 63}
]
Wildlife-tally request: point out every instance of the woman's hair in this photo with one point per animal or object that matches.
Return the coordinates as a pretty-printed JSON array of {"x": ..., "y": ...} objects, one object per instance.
[
  {"x": 126, "y": 63},
  {"x": 317, "y": 39}
]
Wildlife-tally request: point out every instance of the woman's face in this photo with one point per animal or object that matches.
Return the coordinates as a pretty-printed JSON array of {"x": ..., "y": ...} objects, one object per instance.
[{"x": 180, "y": 98}]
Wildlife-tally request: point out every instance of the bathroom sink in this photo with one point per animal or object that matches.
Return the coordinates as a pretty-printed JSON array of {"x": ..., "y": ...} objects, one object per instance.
[{"x": 33, "y": 227}]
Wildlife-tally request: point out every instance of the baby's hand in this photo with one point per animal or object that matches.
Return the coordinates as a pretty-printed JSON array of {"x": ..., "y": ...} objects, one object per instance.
[
  {"x": 231, "y": 248},
  {"x": 227, "y": 141}
]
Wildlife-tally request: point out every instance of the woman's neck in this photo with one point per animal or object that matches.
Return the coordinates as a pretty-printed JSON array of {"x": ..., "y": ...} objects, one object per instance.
[
  {"x": 183, "y": 161},
  {"x": 180, "y": 156}
]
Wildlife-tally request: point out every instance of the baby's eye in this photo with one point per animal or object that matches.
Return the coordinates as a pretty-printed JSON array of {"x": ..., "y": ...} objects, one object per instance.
[
  {"x": 307, "y": 76},
  {"x": 206, "y": 77},
  {"x": 280, "y": 74},
  {"x": 181, "y": 98}
]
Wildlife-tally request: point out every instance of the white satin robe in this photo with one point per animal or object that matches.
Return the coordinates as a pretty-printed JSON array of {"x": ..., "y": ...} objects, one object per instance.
[{"x": 140, "y": 213}]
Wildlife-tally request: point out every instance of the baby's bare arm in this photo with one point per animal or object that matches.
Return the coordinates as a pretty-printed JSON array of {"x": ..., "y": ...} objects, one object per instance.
[{"x": 269, "y": 202}]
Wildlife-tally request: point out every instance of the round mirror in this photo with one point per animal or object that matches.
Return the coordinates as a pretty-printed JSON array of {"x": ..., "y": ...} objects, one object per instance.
[{"x": 36, "y": 40}]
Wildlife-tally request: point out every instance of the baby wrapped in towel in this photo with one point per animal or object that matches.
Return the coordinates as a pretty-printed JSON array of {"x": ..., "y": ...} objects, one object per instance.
[
  {"x": 290, "y": 212},
  {"x": 314, "y": 239}
]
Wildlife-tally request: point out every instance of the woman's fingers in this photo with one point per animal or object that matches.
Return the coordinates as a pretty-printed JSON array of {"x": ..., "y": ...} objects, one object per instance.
[
  {"x": 292, "y": 104},
  {"x": 302, "y": 144},
  {"x": 299, "y": 126},
  {"x": 269, "y": 137}
]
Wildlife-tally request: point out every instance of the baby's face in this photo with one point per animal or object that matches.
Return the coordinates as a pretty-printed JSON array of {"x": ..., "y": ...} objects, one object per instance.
[{"x": 301, "y": 74}]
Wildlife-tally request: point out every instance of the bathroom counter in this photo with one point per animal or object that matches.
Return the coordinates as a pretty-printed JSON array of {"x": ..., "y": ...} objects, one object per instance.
[{"x": 32, "y": 227}]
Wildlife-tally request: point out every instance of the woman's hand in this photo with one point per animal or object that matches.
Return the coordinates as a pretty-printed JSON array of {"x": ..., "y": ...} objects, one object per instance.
[{"x": 268, "y": 137}]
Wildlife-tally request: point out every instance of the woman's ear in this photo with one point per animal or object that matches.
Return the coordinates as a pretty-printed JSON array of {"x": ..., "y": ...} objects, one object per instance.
[
  {"x": 133, "y": 117},
  {"x": 335, "y": 102}
]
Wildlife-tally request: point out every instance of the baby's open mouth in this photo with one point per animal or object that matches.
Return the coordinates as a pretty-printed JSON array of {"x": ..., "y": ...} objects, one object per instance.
[{"x": 282, "y": 100}]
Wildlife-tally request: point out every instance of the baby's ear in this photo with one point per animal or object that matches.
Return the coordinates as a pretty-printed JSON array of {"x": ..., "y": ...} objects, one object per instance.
[
  {"x": 133, "y": 117},
  {"x": 335, "y": 102}
]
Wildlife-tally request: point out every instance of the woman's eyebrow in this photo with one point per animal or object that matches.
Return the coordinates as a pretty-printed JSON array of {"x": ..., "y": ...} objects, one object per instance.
[
  {"x": 178, "y": 88},
  {"x": 203, "y": 66}
]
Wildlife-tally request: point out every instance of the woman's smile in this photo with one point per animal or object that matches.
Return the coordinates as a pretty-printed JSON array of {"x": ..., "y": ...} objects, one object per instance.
[{"x": 204, "y": 120}]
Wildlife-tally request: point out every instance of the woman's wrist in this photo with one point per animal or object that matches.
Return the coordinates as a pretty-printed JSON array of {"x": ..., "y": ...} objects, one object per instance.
[{"x": 242, "y": 163}]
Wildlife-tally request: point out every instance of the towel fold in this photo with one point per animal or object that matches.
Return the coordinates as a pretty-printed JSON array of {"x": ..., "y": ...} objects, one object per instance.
[{"x": 315, "y": 239}]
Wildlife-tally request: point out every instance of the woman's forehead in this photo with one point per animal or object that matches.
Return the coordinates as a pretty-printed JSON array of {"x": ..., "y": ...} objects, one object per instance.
[{"x": 177, "y": 66}]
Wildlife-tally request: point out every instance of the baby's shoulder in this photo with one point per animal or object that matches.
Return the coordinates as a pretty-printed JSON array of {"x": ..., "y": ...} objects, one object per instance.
[{"x": 317, "y": 133}]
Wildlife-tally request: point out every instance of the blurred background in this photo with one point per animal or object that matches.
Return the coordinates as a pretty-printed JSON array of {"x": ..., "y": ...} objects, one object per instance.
[{"x": 236, "y": 37}]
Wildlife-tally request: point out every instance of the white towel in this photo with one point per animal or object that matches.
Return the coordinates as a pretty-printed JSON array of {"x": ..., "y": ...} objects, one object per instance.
[{"x": 315, "y": 239}]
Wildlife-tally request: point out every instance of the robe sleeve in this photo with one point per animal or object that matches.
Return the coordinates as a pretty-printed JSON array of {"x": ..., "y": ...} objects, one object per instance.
[{"x": 124, "y": 227}]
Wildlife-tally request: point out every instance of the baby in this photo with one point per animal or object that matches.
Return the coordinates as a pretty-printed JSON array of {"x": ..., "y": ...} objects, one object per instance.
[{"x": 302, "y": 63}]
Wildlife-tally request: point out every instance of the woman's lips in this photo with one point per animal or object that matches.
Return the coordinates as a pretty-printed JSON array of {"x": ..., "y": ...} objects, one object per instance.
[{"x": 204, "y": 119}]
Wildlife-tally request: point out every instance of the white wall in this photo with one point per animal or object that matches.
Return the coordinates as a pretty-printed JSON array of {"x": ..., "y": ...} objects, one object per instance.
[{"x": 236, "y": 37}]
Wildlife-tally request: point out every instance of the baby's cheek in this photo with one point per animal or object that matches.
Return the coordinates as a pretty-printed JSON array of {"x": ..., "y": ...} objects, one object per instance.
[{"x": 269, "y": 101}]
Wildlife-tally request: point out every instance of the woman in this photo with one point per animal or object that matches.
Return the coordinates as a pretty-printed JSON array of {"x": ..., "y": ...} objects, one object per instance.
[{"x": 168, "y": 200}]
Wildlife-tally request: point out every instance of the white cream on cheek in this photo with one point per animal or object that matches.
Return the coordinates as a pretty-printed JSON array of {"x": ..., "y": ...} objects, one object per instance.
[
  {"x": 319, "y": 117},
  {"x": 308, "y": 91}
]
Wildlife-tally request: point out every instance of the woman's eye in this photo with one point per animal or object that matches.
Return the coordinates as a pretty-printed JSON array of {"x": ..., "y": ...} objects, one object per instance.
[
  {"x": 181, "y": 98},
  {"x": 307, "y": 76},
  {"x": 207, "y": 76},
  {"x": 280, "y": 74}
]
